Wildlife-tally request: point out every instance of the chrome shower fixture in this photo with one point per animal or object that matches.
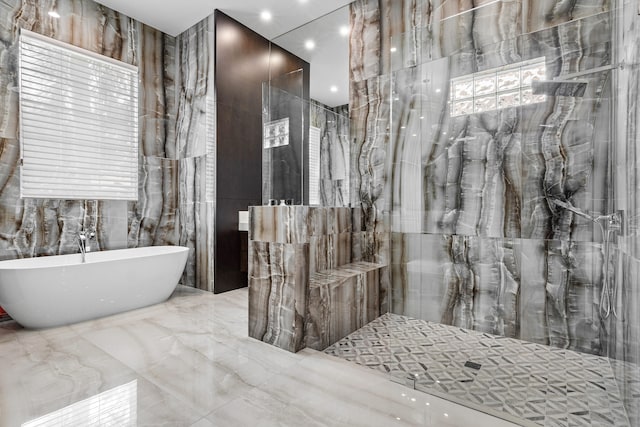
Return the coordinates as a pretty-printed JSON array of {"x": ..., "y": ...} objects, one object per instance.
[{"x": 613, "y": 223}]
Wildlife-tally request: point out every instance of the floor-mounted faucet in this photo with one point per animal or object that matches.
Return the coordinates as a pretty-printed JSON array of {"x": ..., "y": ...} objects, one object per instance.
[{"x": 84, "y": 237}]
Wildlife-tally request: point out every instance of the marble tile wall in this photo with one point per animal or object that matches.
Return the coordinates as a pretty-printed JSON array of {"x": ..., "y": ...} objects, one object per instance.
[
  {"x": 327, "y": 230},
  {"x": 341, "y": 301},
  {"x": 304, "y": 289},
  {"x": 369, "y": 110},
  {"x": 278, "y": 293},
  {"x": 176, "y": 102},
  {"x": 477, "y": 204},
  {"x": 45, "y": 227},
  {"x": 194, "y": 126}
]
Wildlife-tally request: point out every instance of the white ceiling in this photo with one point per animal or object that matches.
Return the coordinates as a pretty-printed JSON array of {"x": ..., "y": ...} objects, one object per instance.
[
  {"x": 173, "y": 17},
  {"x": 329, "y": 60}
]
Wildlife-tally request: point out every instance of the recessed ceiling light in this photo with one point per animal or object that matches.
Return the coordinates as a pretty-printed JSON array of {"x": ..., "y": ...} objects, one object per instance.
[
  {"x": 265, "y": 15},
  {"x": 438, "y": 91},
  {"x": 393, "y": 49},
  {"x": 310, "y": 44},
  {"x": 54, "y": 14},
  {"x": 344, "y": 31},
  {"x": 333, "y": 88}
]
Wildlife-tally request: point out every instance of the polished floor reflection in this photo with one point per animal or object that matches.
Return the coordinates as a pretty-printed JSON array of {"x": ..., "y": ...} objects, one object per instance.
[{"x": 189, "y": 362}]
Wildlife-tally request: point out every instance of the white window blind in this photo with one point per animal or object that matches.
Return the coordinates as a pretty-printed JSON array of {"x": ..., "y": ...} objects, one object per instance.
[{"x": 79, "y": 122}]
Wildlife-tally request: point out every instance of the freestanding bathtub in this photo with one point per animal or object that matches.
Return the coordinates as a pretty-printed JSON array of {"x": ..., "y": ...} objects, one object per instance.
[{"x": 57, "y": 290}]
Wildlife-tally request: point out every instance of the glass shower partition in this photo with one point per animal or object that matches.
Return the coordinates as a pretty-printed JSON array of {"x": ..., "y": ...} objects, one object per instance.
[
  {"x": 510, "y": 228},
  {"x": 306, "y": 152},
  {"x": 285, "y": 135}
]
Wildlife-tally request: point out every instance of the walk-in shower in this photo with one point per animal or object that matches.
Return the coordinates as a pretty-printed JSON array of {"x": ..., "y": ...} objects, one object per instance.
[
  {"x": 508, "y": 133},
  {"x": 493, "y": 176}
]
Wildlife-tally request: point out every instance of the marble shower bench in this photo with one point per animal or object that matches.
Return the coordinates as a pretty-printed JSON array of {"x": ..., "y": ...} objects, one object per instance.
[{"x": 305, "y": 287}]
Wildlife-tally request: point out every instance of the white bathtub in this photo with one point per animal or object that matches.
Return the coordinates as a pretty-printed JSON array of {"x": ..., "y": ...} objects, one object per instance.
[{"x": 57, "y": 290}]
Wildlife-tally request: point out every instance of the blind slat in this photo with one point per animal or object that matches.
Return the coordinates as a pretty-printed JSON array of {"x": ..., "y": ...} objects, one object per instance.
[
  {"x": 41, "y": 168},
  {"x": 57, "y": 85},
  {"x": 40, "y": 99},
  {"x": 105, "y": 186},
  {"x": 112, "y": 187},
  {"x": 81, "y": 186},
  {"x": 81, "y": 196},
  {"x": 50, "y": 130},
  {"x": 42, "y": 131},
  {"x": 42, "y": 165},
  {"x": 93, "y": 59},
  {"x": 44, "y": 76},
  {"x": 79, "y": 124},
  {"x": 63, "y": 58},
  {"x": 48, "y": 151},
  {"x": 69, "y": 108}
]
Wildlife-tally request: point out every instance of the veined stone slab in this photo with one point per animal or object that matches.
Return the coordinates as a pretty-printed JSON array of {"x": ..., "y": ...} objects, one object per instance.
[{"x": 340, "y": 302}]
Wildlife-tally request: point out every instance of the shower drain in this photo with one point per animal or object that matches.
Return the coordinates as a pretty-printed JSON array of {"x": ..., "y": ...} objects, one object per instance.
[{"x": 472, "y": 365}]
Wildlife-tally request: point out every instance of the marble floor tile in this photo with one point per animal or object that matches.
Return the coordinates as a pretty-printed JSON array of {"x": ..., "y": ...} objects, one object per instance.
[
  {"x": 8, "y": 331},
  {"x": 203, "y": 422},
  {"x": 200, "y": 382},
  {"x": 159, "y": 408},
  {"x": 303, "y": 396},
  {"x": 190, "y": 366},
  {"x": 189, "y": 362},
  {"x": 53, "y": 382},
  {"x": 117, "y": 319},
  {"x": 260, "y": 408}
]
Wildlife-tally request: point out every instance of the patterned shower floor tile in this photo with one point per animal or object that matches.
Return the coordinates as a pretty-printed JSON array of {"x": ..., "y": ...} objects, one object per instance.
[{"x": 540, "y": 384}]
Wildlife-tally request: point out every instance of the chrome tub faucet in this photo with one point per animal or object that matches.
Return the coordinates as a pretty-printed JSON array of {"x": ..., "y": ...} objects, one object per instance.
[{"x": 84, "y": 238}]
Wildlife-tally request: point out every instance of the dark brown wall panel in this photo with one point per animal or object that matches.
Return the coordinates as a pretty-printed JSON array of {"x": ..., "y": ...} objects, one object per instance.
[{"x": 241, "y": 66}]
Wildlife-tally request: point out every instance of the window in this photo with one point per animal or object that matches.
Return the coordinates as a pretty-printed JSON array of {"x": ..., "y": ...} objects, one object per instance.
[
  {"x": 509, "y": 86},
  {"x": 79, "y": 122}
]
